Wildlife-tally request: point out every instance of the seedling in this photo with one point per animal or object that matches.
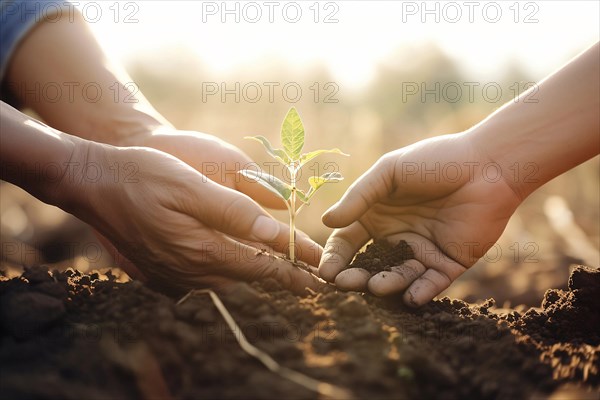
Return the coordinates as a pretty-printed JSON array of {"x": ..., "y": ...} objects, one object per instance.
[{"x": 291, "y": 156}]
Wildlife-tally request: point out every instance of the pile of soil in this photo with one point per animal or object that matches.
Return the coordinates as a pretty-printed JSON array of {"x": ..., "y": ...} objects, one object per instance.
[
  {"x": 88, "y": 336},
  {"x": 381, "y": 255}
]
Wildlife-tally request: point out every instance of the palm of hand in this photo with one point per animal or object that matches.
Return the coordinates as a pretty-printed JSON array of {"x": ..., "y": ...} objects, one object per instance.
[
  {"x": 437, "y": 196},
  {"x": 463, "y": 223}
]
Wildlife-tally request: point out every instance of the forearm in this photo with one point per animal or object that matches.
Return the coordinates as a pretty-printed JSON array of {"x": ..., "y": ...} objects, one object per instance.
[
  {"x": 558, "y": 132},
  {"x": 97, "y": 101},
  {"x": 36, "y": 157}
]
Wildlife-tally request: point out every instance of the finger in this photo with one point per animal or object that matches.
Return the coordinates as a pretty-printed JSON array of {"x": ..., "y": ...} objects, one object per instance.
[
  {"x": 179, "y": 143},
  {"x": 430, "y": 255},
  {"x": 340, "y": 248},
  {"x": 248, "y": 264},
  {"x": 397, "y": 279},
  {"x": 354, "y": 279},
  {"x": 426, "y": 287},
  {"x": 250, "y": 187},
  {"x": 229, "y": 211},
  {"x": 235, "y": 214},
  {"x": 259, "y": 193},
  {"x": 307, "y": 250},
  {"x": 441, "y": 269},
  {"x": 371, "y": 187}
]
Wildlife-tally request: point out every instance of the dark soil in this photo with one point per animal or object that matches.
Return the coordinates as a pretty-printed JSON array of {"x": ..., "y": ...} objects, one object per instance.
[
  {"x": 77, "y": 336},
  {"x": 381, "y": 256}
]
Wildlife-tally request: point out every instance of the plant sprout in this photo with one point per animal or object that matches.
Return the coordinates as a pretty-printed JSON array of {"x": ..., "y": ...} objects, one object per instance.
[{"x": 291, "y": 156}]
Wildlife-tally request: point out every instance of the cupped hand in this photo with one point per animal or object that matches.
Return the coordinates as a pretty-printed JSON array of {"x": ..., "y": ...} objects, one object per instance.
[
  {"x": 443, "y": 196},
  {"x": 179, "y": 228}
]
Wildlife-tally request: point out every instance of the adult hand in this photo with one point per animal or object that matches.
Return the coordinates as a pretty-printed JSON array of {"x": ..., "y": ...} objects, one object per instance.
[
  {"x": 179, "y": 228},
  {"x": 213, "y": 157},
  {"x": 441, "y": 196},
  {"x": 451, "y": 197}
]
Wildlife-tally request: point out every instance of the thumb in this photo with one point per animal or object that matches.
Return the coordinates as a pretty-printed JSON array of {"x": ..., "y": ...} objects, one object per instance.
[
  {"x": 233, "y": 213},
  {"x": 373, "y": 186}
]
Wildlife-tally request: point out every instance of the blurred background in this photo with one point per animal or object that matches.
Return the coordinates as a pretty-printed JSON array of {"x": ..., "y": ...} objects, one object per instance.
[{"x": 367, "y": 77}]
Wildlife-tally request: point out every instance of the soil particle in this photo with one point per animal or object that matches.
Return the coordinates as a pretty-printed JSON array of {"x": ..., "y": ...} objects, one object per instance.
[
  {"x": 37, "y": 274},
  {"x": 586, "y": 279},
  {"x": 353, "y": 306}
]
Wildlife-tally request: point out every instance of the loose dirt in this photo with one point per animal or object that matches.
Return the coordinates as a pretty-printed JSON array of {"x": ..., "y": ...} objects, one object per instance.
[
  {"x": 88, "y": 336},
  {"x": 381, "y": 256}
]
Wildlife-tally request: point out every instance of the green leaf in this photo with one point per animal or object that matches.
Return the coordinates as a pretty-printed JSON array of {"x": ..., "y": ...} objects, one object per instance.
[
  {"x": 278, "y": 154},
  {"x": 306, "y": 157},
  {"x": 317, "y": 181},
  {"x": 302, "y": 196},
  {"x": 272, "y": 183},
  {"x": 292, "y": 135}
]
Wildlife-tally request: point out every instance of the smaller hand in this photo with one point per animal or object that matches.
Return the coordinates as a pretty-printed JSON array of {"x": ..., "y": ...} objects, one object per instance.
[{"x": 437, "y": 196}]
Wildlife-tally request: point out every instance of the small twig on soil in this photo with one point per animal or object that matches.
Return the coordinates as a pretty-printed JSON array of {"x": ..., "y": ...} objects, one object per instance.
[{"x": 323, "y": 388}]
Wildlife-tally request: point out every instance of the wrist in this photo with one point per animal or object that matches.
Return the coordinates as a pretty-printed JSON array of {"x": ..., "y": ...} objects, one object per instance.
[
  {"x": 508, "y": 154},
  {"x": 534, "y": 142},
  {"x": 64, "y": 192},
  {"x": 82, "y": 173},
  {"x": 37, "y": 157}
]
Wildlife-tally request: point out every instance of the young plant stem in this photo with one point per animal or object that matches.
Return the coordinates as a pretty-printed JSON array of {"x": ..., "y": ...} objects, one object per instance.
[{"x": 292, "y": 250}]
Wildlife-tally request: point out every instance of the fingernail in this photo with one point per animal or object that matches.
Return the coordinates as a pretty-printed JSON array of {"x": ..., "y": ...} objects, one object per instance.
[
  {"x": 265, "y": 228},
  {"x": 327, "y": 214},
  {"x": 333, "y": 207},
  {"x": 409, "y": 299}
]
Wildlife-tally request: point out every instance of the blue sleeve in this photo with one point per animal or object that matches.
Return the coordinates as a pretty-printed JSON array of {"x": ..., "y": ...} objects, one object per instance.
[{"x": 17, "y": 17}]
